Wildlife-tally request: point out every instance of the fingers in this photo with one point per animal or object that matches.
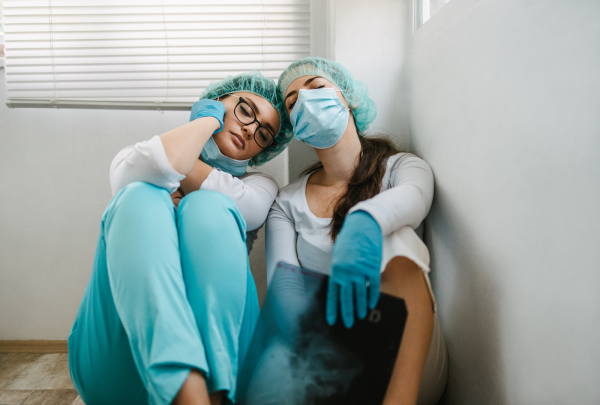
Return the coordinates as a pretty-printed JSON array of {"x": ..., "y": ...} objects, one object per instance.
[
  {"x": 361, "y": 298},
  {"x": 347, "y": 303},
  {"x": 333, "y": 293},
  {"x": 374, "y": 283}
]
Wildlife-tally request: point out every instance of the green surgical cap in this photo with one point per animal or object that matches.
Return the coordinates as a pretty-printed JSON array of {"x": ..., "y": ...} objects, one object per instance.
[
  {"x": 254, "y": 82},
  {"x": 355, "y": 92}
]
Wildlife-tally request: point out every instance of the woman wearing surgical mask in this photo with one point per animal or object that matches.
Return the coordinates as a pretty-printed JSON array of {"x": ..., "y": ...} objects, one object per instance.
[
  {"x": 356, "y": 215},
  {"x": 170, "y": 308}
]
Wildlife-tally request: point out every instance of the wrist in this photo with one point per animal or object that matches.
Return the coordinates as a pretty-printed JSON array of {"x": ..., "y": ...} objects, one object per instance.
[
  {"x": 365, "y": 219},
  {"x": 211, "y": 123}
]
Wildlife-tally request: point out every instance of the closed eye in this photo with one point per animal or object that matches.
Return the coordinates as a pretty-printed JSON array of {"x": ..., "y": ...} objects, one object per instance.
[
  {"x": 245, "y": 111},
  {"x": 294, "y": 103}
]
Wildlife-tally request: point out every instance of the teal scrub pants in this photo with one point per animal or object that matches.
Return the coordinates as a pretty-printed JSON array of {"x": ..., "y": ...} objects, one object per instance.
[{"x": 170, "y": 291}]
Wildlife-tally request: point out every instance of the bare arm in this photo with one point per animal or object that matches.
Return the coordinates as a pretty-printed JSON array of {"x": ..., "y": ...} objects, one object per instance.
[
  {"x": 184, "y": 144},
  {"x": 194, "y": 179}
]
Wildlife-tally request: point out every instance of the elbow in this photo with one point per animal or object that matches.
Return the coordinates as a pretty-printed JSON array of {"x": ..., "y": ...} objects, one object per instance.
[
  {"x": 115, "y": 183},
  {"x": 254, "y": 218}
]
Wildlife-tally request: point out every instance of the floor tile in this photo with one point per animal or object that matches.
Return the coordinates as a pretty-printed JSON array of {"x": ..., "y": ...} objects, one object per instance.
[
  {"x": 48, "y": 372},
  {"x": 51, "y": 397},
  {"x": 78, "y": 401},
  {"x": 12, "y": 364},
  {"x": 13, "y": 397}
]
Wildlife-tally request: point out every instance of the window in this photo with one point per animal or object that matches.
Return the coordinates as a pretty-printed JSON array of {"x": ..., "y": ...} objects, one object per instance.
[
  {"x": 144, "y": 54},
  {"x": 1, "y": 39},
  {"x": 1, "y": 30},
  {"x": 425, "y": 9}
]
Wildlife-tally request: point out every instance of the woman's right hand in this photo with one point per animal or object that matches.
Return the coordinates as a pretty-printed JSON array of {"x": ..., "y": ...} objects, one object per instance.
[{"x": 208, "y": 108}]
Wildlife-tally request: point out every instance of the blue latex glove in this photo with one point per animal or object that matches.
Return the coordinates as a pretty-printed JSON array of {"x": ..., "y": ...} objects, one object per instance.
[
  {"x": 208, "y": 108},
  {"x": 356, "y": 260}
]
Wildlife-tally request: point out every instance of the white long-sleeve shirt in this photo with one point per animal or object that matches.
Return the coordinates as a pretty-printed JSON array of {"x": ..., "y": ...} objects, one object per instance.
[
  {"x": 147, "y": 161},
  {"x": 296, "y": 236}
]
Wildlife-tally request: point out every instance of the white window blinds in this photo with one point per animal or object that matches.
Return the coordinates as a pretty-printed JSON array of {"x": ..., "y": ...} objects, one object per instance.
[{"x": 143, "y": 54}]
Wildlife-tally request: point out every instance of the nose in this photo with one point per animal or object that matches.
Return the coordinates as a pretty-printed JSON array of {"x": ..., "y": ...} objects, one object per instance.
[{"x": 249, "y": 129}]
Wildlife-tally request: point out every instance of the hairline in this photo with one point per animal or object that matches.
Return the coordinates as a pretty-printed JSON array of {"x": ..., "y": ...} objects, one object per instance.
[
  {"x": 268, "y": 124},
  {"x": 312, "y": 74}
]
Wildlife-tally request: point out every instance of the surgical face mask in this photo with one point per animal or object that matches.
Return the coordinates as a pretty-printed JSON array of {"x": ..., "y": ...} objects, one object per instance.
[
  {"x": 212, "y": 156},
  {"x": 319, "y": 118}
]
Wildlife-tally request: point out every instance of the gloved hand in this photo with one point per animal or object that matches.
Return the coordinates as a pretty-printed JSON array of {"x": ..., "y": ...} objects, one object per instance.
[
  {"x": 208, "y": 108},
  {"x": 357, "y": 256}
]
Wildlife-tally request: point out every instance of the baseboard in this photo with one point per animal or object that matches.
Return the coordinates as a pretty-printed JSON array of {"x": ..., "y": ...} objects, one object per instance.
[{"x": 33, "y": 346}]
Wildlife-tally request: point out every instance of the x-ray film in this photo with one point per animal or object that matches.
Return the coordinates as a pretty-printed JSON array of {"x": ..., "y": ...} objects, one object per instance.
[{"x": 296, "y": 358}]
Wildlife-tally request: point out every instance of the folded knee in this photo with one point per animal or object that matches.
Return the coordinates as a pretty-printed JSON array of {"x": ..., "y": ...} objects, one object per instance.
[
  {"x": 404, "y": 278},
  {"x": 140, "y": 192},
  {"x": 139, "y": 200},
  {"x": 206, "y": 200},
  {"x": 210, "y": 211}
]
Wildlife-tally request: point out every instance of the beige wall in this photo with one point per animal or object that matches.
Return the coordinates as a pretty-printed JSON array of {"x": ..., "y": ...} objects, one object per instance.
[{"x": 54, "y": 186}]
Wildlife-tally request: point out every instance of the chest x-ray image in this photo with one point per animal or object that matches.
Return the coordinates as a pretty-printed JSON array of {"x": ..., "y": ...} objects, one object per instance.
[{"x": 296, "y": 358}]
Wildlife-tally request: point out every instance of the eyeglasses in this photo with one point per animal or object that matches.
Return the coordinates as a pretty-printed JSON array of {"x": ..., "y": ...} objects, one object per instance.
[{"x": 263, "y": 136}]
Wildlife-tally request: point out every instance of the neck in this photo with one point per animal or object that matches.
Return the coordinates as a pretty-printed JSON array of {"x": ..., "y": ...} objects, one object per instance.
[{"x": 340, "y": 160}]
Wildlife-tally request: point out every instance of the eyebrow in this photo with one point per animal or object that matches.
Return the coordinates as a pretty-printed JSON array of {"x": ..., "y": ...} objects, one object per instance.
[
  {"x": 254, "y": 107},
  {"x": 291, "y": 93},
  {"x": 257, "y": 111}
]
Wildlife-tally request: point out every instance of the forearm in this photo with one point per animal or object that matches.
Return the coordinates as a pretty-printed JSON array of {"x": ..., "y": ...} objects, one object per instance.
[
  {"x": 194, "y": 179},
  {"x": 184, "y": 144}
]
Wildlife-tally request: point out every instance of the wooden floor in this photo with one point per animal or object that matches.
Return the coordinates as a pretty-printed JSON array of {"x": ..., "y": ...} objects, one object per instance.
[{"x": 36, "y": 379}]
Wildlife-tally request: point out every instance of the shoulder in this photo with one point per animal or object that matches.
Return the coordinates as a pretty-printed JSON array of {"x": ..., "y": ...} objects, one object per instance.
[
  {"x": 404, "y": 160},
  {"x": 292, "y": 191},
  {"x": 259, "y": 177},
  {"x": 261, "y": 180},
  {"x": 291, "y": 196},
  {"x": 406, "y": 168}
]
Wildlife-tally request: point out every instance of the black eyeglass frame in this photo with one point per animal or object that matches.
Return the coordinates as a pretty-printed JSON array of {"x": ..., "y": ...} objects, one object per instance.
[{"x": 274, "y": 143}]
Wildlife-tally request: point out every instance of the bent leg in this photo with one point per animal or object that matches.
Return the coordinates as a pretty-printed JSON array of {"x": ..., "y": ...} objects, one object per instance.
[
  {"x": 403, "y": 278},
  {"x": 138, "y": 284},
  {"x": 218, "y": 282},
  {"x": 100, "y": 361}
]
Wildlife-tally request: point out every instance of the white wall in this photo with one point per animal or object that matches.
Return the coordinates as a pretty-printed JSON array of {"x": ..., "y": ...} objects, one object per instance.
[
  {"x": 54, "y": 187},
  {"x": 370, "y": 40},
  {"x": 501, "y": 97},
  {"x": 505, "y": 106}
]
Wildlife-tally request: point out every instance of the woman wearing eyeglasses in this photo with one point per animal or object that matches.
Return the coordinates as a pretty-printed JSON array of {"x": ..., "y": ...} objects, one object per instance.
[{"x": 171, "y": 305}]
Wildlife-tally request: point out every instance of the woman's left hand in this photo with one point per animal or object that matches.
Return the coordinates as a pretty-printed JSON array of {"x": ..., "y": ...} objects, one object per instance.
[
  {"x": 356, "y": 259},
  {"x": 208, "y": 108},
  {"x": 177, "y": 196}
]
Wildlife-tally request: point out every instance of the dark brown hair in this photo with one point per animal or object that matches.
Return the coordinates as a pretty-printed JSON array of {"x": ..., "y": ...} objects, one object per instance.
[{"x": 366, "y": 180}]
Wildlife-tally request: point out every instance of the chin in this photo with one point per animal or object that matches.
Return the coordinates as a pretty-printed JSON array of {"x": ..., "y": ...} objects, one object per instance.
[{"x": 227, "y": 148}]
